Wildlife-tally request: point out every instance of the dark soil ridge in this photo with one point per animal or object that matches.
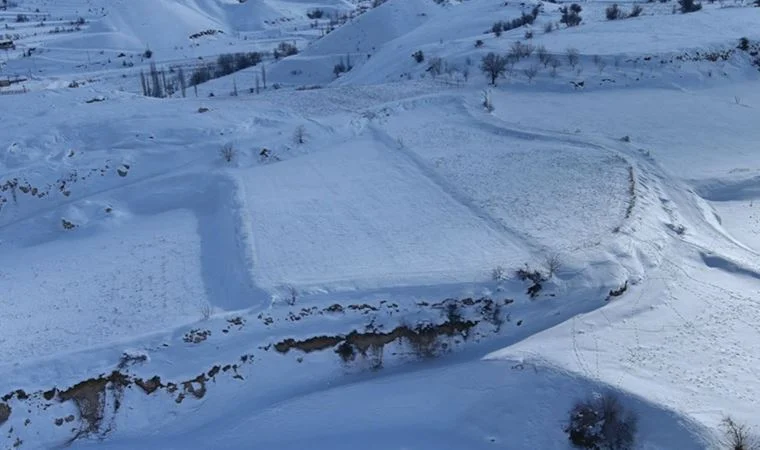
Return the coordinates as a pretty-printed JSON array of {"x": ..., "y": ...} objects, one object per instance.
[{"x": 99, "y": 398}]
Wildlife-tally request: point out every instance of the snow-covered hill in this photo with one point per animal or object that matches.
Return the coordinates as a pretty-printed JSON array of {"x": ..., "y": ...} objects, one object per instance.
[{"x": 344, "y": 248}]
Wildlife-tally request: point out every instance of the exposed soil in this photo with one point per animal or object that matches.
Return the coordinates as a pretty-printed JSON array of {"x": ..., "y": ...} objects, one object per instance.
[{"x": 5, "y": 412}]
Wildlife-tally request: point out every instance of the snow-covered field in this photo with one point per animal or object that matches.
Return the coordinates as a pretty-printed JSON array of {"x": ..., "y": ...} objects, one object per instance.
[{"x": 347, "y": 273}]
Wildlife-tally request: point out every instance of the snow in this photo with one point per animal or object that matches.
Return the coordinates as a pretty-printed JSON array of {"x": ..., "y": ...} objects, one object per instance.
[
  {"x": 130, "y": 247},
  {"x": 111, "y": 286},
  {"x": 347, "y": 194}
]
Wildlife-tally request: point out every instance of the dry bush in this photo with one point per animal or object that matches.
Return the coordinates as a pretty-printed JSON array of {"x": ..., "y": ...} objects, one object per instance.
[{"x": 228, "y": 152}]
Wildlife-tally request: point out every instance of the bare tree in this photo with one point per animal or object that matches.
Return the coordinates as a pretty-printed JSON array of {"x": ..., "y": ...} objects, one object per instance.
[
  {"x": 493, "y": 66},
  {"x": 573, "y": 56},
  {"x": 531, "y": 72},
  {"x": 299, "y": 135},
  {"x": 738, "y": 436},
  {"x": 144, "y": 84},
  {"x": 182, "y": 80},
  {"x": 157, "y": 90},
  {"x": 555, "y": 63},
  {"x": 543, "y": 55},
  {"x": 600, "y": 63}
]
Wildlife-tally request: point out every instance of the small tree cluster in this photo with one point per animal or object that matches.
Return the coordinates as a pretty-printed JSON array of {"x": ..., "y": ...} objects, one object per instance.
[
  {"x": 525, "y": 19},
  {"x": 689, "y": 6},
  {"x": 154, "y": 84},
  {"x": 246, "y": 60},
  {"x": 601, "y": 422},
  {"x": 518, "y": 50},
  {"x": 285, "y": 49},
  {"x": 343, "y": 66},
  {"x": 614, "y": 12},
  {"x": 571, "y": 16}
]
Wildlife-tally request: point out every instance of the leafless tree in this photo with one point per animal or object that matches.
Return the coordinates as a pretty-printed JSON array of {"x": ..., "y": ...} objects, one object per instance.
[
  {"x": 573, "y": 56},
  {"x": 738, "y": 436},
  {"x": 555, "y": 63},
  {"x": 531, "y": 72},
  {"x": 493, "y": 66}
]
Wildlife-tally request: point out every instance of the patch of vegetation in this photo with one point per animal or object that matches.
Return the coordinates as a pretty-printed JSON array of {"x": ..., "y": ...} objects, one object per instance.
[
  {"x": 601, "y": 422},
  {"x": 571, "y": 16}
]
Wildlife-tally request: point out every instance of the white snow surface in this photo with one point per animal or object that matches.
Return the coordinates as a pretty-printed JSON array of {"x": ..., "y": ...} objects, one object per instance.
[{"x": 368, "y": 202}]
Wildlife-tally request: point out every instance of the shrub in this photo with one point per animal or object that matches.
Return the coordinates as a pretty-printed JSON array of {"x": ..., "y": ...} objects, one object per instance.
[
  {"x": 636, "y": 11},
  {"x": 613, "y": 12},
  {"x": 743, "y": 44},
  {"x": 346, "y": 352},
  {"x": 418, "y": 56},
  {"x": 738, "y": 436},
  {"x": 228, "y": 152},
  {"x": 285, "y": 49},
  {"x": 529, "y": 34},
  {"x": 602, "y": 422},
  {"x": 148, "y": 53},
  {"x": 534, "y": 276},
  {"x": 479, "y": 42},
  {"x": 689, "y": 6},
  {"x": 498, "y": 273},
  {"x": 549, "y": 27},
  {"x": 22, "y": 18},
  {"x": 339, "y": 69},
  {"x": 493, "y": 66},
  {"x": 292, "y": 295},
  {"x": 299, "y": 135},
  {"x": 435, "y": 66},
  {"x": 315, "y": 14},
  {"x": 571, "y": 16},
  {"x": 552, "y": 263}
]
